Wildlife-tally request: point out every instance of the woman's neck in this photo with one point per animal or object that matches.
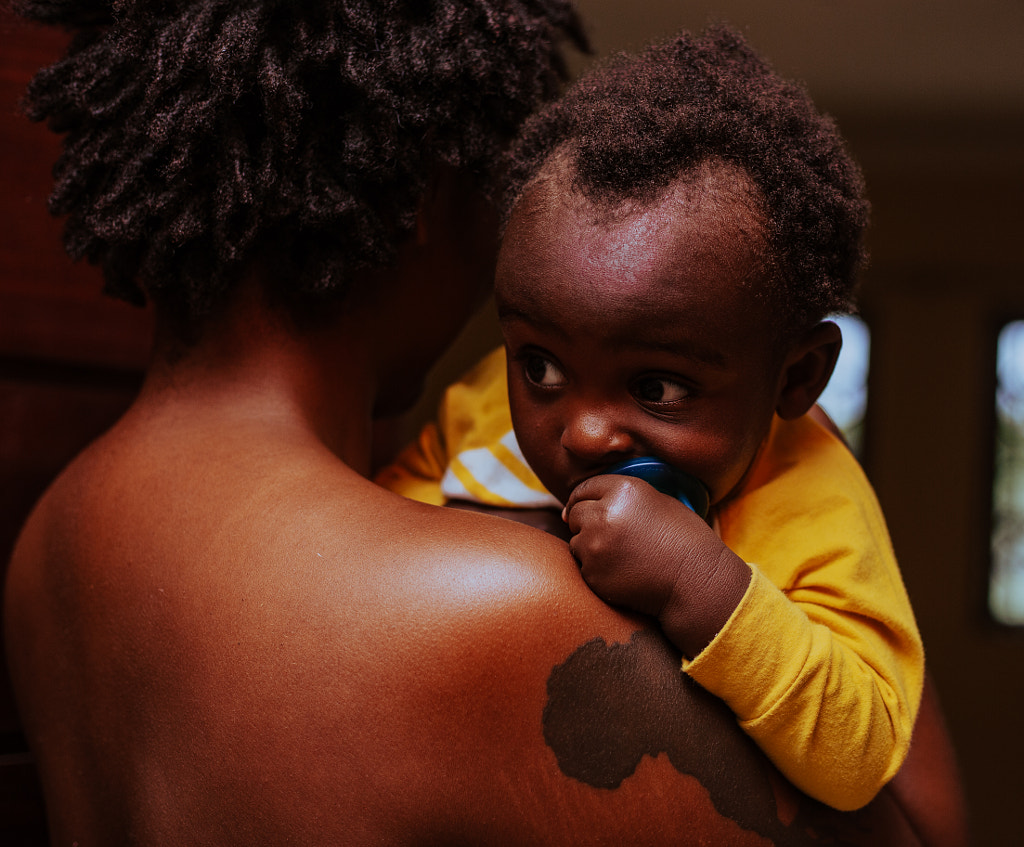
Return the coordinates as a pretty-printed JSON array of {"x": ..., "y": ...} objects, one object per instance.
[{"x": 251, "y": 367}]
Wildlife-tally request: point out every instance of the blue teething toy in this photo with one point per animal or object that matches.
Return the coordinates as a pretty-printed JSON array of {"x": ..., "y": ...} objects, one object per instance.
[{"x": 687, "y": 489}]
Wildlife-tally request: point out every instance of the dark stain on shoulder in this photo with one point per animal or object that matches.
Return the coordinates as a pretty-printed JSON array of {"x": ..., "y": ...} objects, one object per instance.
[{"x": 611, "y": 705}]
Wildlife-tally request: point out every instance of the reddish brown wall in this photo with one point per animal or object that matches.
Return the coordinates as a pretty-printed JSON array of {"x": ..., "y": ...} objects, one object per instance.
[{"x": 69, "y": 362}]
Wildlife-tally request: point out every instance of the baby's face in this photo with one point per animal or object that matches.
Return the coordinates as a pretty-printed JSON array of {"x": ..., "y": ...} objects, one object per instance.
[{"x": 637, "y": 335}]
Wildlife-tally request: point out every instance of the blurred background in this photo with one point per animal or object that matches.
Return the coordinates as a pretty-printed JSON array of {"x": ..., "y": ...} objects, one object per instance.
[{"x": 930, "y": 96}]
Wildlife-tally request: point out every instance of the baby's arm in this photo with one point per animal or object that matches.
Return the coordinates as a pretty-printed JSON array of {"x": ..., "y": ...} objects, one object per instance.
[{"x": 808, "y": 681}]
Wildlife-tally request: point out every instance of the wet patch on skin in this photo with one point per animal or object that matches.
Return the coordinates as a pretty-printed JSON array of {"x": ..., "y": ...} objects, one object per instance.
[{"x": 611, "y": 705}]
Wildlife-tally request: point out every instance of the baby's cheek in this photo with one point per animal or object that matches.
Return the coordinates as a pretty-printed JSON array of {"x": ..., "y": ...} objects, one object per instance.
[
  {"x": 549, "y": 471},
  {"x": 719, "y": 462},
  {"x": 539, "y": 441}
]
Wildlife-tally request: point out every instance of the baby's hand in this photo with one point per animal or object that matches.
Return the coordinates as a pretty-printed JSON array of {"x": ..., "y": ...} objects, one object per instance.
[
  {"x": 631, "y": 540},
  {"x": 646, "y": 551}
]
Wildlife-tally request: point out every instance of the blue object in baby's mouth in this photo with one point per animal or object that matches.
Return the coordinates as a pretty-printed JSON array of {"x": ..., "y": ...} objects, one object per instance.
[{"x": 687, "y": 489}]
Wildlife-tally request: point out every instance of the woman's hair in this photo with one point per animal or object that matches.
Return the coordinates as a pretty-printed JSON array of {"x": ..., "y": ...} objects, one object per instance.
[
  {"x": 636, "y": 124},
  {"x": 204, "y": 135}
]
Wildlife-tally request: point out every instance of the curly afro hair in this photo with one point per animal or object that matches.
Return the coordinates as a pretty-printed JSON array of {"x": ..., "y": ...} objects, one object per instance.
[
  {"x": 637, "y": 123},
  {"x": 197, "y": 132}
]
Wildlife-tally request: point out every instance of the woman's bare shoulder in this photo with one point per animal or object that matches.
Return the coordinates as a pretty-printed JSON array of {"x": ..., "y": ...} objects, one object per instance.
[
  {"x": 557, "y": 718},
  {"x": 448, "y": 674},
  {"x": 501, "y": 567}
]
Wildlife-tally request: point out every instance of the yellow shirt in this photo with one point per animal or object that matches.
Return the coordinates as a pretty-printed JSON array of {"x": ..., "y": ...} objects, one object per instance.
[{"x": 821, "y": 661}]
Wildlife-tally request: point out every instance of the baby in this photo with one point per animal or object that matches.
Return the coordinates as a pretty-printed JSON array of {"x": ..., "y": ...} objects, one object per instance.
[{"x": 684, "y": 221}]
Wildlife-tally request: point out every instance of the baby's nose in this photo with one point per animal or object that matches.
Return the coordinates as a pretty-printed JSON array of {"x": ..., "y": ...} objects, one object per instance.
[{"x": 597, "y": 438}]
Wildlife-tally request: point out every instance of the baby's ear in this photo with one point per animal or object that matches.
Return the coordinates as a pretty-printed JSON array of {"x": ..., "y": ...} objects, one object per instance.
[{"x": 807, "y": 369}]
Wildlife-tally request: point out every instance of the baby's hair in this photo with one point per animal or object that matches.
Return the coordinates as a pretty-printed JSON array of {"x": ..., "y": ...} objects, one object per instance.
[
  {"x": 197, "y": 132},
  {"x": 637, "y": 123}
]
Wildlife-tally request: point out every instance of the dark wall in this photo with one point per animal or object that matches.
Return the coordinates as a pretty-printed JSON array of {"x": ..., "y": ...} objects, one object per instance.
[{"x": 70, "y": 362}]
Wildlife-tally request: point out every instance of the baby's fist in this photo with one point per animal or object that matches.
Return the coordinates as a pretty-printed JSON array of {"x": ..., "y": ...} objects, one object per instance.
[{"x": 629, "y": 539}]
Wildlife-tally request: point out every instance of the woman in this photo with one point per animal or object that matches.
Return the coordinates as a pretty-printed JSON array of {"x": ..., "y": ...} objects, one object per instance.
[{"x": 219, "y": 630}]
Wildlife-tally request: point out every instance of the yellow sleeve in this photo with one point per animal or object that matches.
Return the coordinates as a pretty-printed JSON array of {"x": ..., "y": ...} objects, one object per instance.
[
  {"x": 473, "y": 413},
  {"x": 416, "y": 472},
  {"x": 471, "y": 453},
  {"x": 821, "y": 661}
]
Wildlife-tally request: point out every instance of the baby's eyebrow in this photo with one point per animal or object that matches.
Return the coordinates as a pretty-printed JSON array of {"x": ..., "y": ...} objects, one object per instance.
[
  {"x": 511, "y": 313},
  {"x": 508, "y": 313},
  {"x": 675, "y": 347},
  {"x": 626, "y": 342}
]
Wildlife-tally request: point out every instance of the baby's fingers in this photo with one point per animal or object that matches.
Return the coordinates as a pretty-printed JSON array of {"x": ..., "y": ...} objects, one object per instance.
[
  {"x": 581, "y": 514},
  {"x": 622, "y": 497},
  {"x": 592, "y": 488}
]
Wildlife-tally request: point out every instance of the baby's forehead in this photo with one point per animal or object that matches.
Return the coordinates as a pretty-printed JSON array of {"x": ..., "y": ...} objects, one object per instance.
[
  {"x": 699, "y": 246},
  {"x": 712, "y": 214}
]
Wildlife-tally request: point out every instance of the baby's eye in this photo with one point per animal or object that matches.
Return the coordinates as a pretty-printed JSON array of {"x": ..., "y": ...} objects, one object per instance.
[
  {"x": 659, "y": 389},
  {"x": 542, "y": 371}
]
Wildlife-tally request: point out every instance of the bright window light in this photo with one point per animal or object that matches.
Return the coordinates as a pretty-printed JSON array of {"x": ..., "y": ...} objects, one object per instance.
[
  {"x": 846, "y": 396},
  {"x": 1006, "y": 586}
]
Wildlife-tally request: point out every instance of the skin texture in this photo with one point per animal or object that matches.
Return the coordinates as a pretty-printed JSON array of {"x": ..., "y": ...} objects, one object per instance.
[{"x": 644, "y": 331}]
